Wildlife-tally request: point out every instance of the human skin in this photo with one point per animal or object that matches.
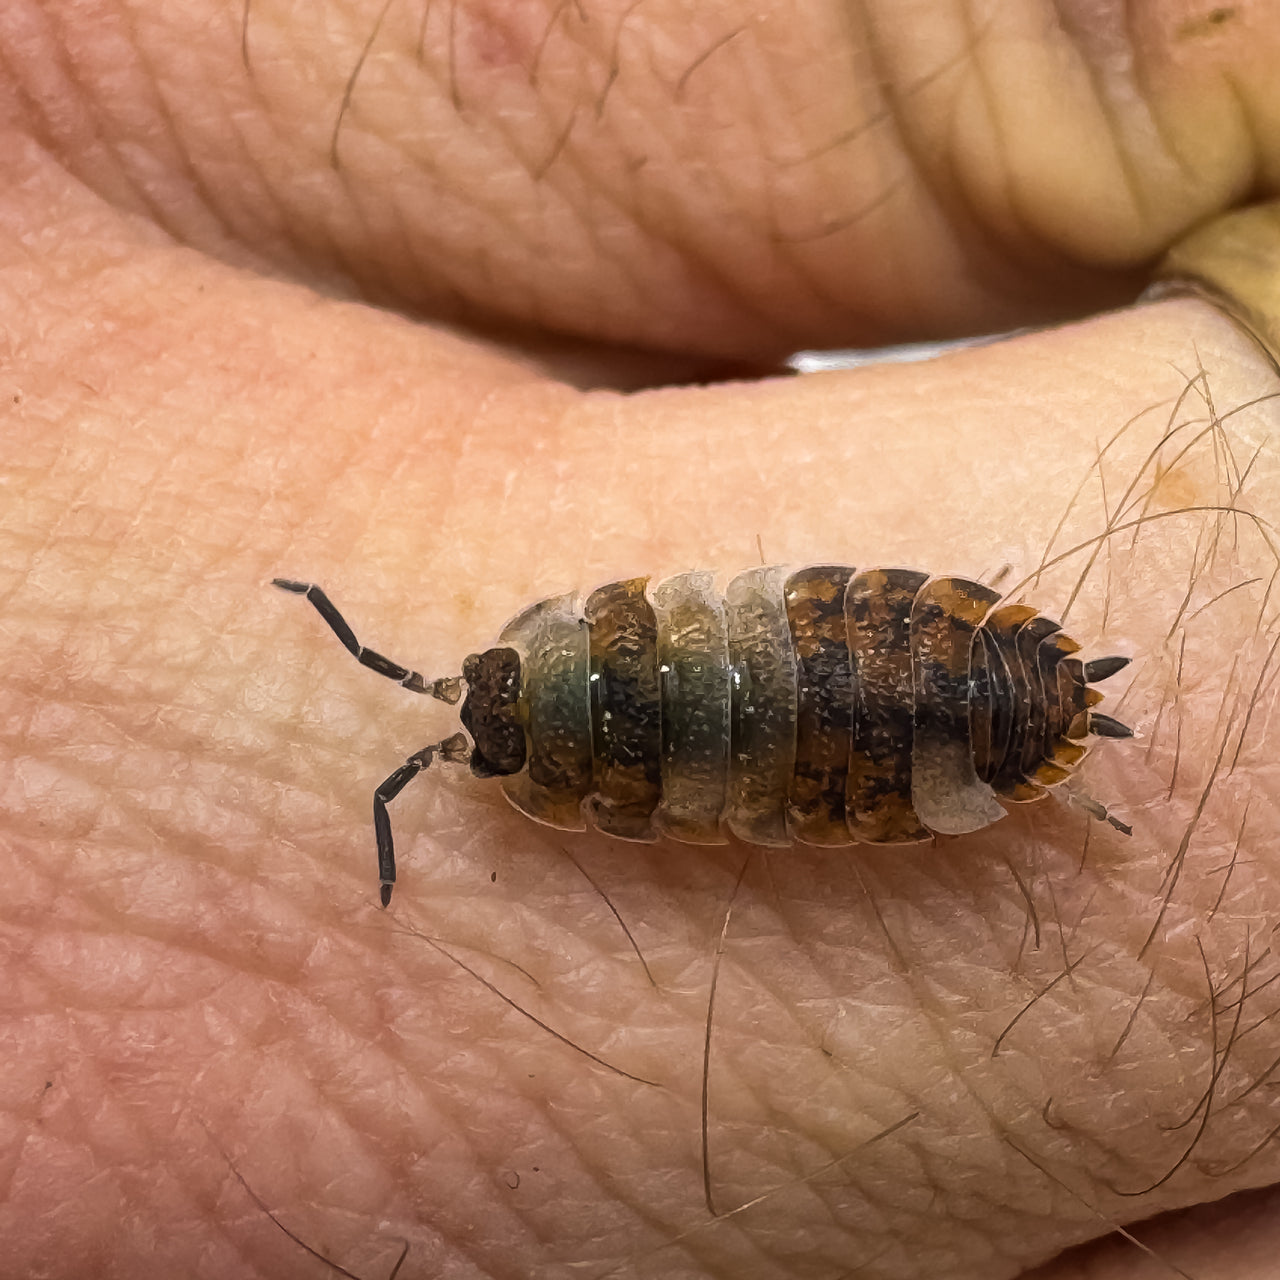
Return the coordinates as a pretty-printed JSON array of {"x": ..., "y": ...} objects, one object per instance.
[{"x": 211, "y": 1031}]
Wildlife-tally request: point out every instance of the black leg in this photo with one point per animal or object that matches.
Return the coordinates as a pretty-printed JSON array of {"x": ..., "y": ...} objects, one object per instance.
[
  {"x": 448, "y": 689},
  {"x": 1100, "y": 811},
  {"x": 456, "y": 751}
]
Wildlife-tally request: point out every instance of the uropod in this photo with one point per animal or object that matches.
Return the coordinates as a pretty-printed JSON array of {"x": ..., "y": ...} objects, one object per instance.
[{"x": 822, "y": 705}]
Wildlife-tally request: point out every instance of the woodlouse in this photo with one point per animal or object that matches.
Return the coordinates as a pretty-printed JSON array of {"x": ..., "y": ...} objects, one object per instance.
[{"x": 823, "y": 706}]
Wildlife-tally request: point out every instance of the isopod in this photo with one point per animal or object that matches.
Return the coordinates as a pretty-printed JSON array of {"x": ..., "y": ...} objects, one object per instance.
[{"x": 823, "y": 705}]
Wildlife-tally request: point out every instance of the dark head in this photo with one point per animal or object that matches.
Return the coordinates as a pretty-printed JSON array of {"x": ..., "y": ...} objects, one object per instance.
[{"x": 491, "y": 712}]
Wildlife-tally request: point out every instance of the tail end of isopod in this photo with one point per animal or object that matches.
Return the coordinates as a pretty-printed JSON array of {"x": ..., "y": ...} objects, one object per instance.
[
  {"x": 1106, "y": 727},
  {"x": 1104, "y": 668},
  {"x": 385, "y": 893}
]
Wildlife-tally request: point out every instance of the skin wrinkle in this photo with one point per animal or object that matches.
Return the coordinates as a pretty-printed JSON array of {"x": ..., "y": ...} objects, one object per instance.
[
  {"x": 979, "y": 240},
  {"x": 1009, "y": 198},
  {"x": 349, "y": 89},
  {"x": 815, "y": 278},
  {"x": 1257, "y": 181},
  {"x": 373, "y": 1114},
  {"x": 682, "y": 83},
  {"x": 611, "y": 1187},
  {"x": 791, "y": 1005},
  {"x": 535, "y": 170},
  {"x": 553, "y": 22},
  {"x": 1093, "y": 68},
  {"x": 1126, "y": 164},
  {"x": 333, "y": 1266},
  {"x": 102, "y": 1132},
  {"x": 166, "y": 217},
  {"x": 1062, "y": 938},
  {"x": 85, "y": 117},
  {"x": 635, "y": 946},
  {"x": 230, "y": 1232},
  {"x": 1162, "y": 1262},
  {"x": 905, "y": 136},
  {"x": 602, "y": 244},
  {"x": 415, "y": 248},
  {"x": 208, "y": 197},
  {"x": 254, "y": 225},
  {"x": 1142, "y": 90},
  {"x": 615, "y": 57},
  {"x": 723, "y": 281},
  {"x": 968, "y": 237},
  {"x": 1121, "y": 1040},
  {"x": 790, "y": 1010},
  {"x": 935, "y": 1017}
]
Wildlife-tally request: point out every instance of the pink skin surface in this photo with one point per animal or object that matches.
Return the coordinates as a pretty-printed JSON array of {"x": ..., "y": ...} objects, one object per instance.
[{"x": 953, "y": 1060}]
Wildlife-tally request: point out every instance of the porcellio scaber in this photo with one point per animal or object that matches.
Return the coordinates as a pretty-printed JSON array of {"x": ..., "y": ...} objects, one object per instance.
[{"x": 822, "y": 705}]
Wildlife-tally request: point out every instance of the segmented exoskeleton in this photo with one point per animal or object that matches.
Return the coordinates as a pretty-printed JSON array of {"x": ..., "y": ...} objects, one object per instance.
[{"x": 824, "y": 706}]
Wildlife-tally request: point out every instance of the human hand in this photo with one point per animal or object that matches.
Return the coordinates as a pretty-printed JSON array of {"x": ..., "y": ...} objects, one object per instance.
[{"x": 201, "y": 988}]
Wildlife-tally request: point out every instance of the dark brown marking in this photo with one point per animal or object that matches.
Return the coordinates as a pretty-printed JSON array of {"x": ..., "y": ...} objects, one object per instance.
[
  {"x": 878, "y": 620},
  {"x": 824, "y": 704},
  {"x": 1030, "y": 636},
  {"x": 490, "y": 713},
  {"x": 1013, "y": 708},
  {"x": 986, "y": 676},
  {"x": 626, "y": 709},
  {"x": 1049, "y": 657},
  {"x": 762, "y": 707}
]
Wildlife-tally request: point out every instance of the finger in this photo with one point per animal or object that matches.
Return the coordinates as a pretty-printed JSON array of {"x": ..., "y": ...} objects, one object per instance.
[
  {"x": 725, "y": 182},
  {"x": 994, "y": 1047},
  {"x": 1230, "y": 1239}
]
